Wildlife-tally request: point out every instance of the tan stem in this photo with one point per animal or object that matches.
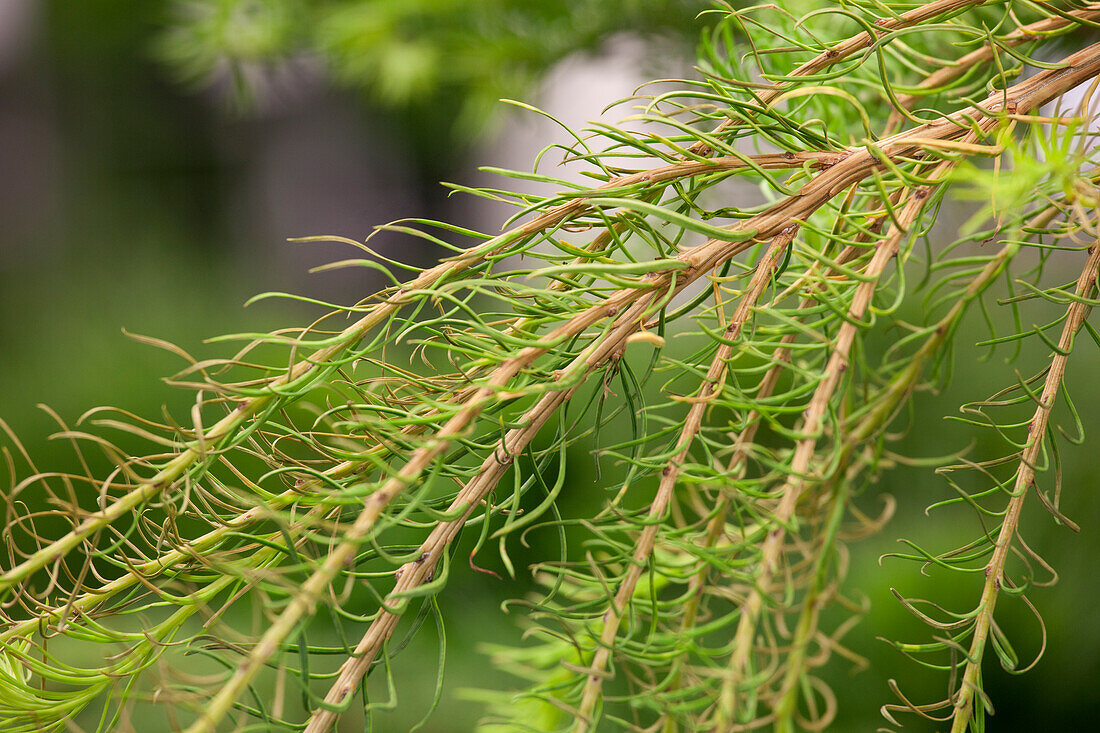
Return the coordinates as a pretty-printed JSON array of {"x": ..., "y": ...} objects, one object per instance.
[
  {"x": 415, "y": 573},
  {"x": 867, "y": 427},
  {"x": 1025, "y": 477},
  {"x": 1020, "y": 36},
  {"x": 712, "y": 386},
  {"x": 840, "y": 51},
  {"x": 811, "y": 427}
]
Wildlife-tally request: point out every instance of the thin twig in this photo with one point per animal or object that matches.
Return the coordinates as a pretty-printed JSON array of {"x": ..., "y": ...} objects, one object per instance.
[
  {"x": 712, "y": 386},
  {"x": 1023, "y": 34},
  {"x": 840, "y": 51},
  {"x": 868, "y": 426},
  {"x": 811, "y": 427},
  {"x": 1025, "y": 476}
]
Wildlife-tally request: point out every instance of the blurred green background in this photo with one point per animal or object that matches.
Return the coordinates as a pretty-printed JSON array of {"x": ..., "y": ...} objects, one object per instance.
[{"x": 152, "y": 171}]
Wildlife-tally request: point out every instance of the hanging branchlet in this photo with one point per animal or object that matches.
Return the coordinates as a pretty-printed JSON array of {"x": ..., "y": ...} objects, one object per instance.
[{"x": 723, "y": 360}]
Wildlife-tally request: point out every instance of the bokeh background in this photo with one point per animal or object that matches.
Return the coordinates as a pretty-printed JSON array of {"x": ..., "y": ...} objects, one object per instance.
[{"x": 154, "y": 160}]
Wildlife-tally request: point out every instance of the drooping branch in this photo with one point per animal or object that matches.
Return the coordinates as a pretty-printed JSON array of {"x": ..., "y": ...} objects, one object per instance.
[
  {"x": 712, "y": 385},
  {"x": 812, "y": 425},
  {"x": 885, "y": 407},
  {"x": 995, "y": 579},
  {"x": 1025, "y": 96}
]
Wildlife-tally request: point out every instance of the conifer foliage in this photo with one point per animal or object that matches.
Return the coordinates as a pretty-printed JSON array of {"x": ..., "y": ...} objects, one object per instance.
[{"x": 737, "y": 368}]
